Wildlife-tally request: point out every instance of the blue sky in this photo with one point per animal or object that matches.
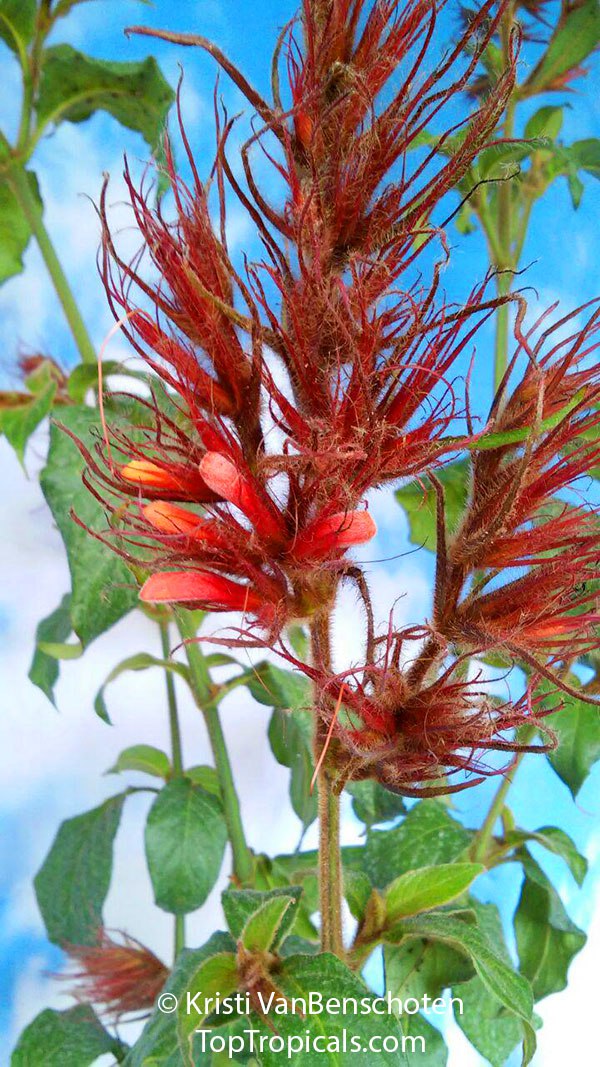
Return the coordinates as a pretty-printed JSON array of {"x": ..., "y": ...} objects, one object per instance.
[{"x": 53, "y": 763}]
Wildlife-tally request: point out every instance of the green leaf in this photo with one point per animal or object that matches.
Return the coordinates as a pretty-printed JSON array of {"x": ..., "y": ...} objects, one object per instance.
[
  {"x": 277, "y": 688},
  {"x": 72, "y": 1038},
  {"x": 556, "y": 841},
  {"x": 72, "y": 884},
  {"x": 141, "y": 661},
  {"x": 372, "y": 803},
  {"x": 577, "y": 726},
  {"x": 357, "y": 890},
  {"x": 424, "y": 967},
  {"x": 547, "y": 940},
  {"x": 101, "y": 583},
  {"x": 144, "y": 758},
  {"x": 585, "y": 155},
  {"x": 185, "y": 841},
  {"x": 429, "y": 1049},
  {"x": 574, "y": 40},
  {"x": 265, "y": 928},
  {"x": 85, "y": 376},
  {"x": 15, "y": 231},
  {"x": 44, "y": 669},
  {"x": 17, "y": 24},
  {"x": 502, "y": 159},
  {"x": 290, "y": 730},
  {"x": 510, "y": 988},
  {"x": 241, "y": 905},
  {"x": 298, "y": 976},
  {"x": 427, "y": 836},
  {"x": 429, "y": 887},
  {"x": 419, "y": 501},
  {"x": 490, "y": 1028},
  {"x": 206, "y": 777},
  {"x": 158, "y": 1043},
  {"x": 546, "y": 122},
  {"x": 73, "y": 86},
  {"x": 216, "y": 975}
]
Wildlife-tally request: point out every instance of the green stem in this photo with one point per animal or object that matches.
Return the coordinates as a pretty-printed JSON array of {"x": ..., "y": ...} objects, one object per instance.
[
  {"x": 203, "y": 689},
  {"x": 176, "y": 761},
  {"x": 482, "y": 840},
  {"x": 176, "y": 752},
  {"x": 19, "y": 183}
]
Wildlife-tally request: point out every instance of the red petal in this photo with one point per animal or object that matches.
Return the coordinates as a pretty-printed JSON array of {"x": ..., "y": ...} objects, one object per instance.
[
  {"x": 334, "y": 534},
  {"x": 197, "y": 587},
  {"x": 223, "y": 477}
]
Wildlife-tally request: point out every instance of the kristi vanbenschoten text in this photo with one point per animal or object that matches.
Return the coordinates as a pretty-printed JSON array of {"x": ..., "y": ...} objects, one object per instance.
[{"x": 314, "y": 1003}]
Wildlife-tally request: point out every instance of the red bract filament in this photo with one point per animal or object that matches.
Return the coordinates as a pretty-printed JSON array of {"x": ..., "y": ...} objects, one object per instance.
[
  {"x": 120, "y": 977},
  {"x": 284, "y": 392}
]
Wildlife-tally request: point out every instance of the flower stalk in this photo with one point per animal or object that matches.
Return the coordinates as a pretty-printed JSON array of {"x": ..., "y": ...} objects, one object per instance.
[{"x": 203, "y": 690}]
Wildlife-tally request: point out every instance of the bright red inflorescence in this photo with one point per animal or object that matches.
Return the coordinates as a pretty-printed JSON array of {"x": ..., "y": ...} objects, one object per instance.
[{"x": 286, "y": 392}]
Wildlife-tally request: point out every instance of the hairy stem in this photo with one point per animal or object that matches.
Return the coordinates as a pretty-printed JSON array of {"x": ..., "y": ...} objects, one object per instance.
[
  {"x": 19, "y": 184},
  {"x": 204, "y": 691},
  {"x": 330, "y": 862}
]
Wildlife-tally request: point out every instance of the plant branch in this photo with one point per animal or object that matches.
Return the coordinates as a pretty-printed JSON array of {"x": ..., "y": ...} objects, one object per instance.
[
  {"x": 204, "y": 693},
  {"x": 19, "y": 183},
  {"x": 176, "y": 760},
  {"x": 481, "y": 844}
]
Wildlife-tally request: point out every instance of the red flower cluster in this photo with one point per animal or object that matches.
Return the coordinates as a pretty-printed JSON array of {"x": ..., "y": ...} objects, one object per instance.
[{"x": 322, "y": 372}]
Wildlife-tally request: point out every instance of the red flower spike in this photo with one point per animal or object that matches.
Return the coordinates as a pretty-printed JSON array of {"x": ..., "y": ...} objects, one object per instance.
[
  {"x": 224, "y": 478},
  {"x": 334, "y": 534},
  {"x": 208, "y": 591}
]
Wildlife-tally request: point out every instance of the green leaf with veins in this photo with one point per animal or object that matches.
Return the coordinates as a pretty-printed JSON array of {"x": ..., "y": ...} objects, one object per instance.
[
  {"x": 56, "y": 627},
  {"x": 419, "y": 967},
  {"x": 428, "y": 887},
  {"x": 490, "y": 1028},
  {"x": 556, "y": 841},
  {"x": 72, "y": 1038},
  {"x": 372, "y": 803},
  {"x": 429, "y": 1049},
  {"x": 419, "y": 501},
  {"x": 547, "y": 939},
  {"x": 185, "y": 842},
  {"x": 143, "y": 758},
  {"x": 102, "y": 590},
  {"x": 577, "y": 726},
  {"x": 158, "y": 1042},
  {"x": 297, "y": 976},
  {"x": 501, "y": 981},
  {"x": 427, "y": 836},
  {"x": 73, "y": 881},
  {"x": 73, "y": 86},
  {"x": 240, "y": 905}
]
